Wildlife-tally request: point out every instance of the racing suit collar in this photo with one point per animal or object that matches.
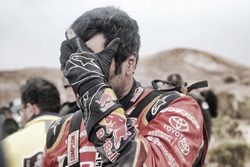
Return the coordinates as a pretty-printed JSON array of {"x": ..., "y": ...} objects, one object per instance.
[
  {"x": 41, "y": 114},
  {"x": 126, "y": 101}
]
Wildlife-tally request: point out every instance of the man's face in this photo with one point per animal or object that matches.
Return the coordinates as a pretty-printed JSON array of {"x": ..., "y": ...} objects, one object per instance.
[
  {"x": 117, "y": 82},
  {"x": 26, "y": 113}
]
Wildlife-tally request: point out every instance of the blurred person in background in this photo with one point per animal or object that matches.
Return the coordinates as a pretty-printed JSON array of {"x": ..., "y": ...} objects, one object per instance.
[
  {"x": 212, "y": 101},
  {"x": 2, "y": 157},
  {"x": 15, "y": 106},
  {"x": 40, "y": 106},
  {"x": 9, "y": 126},
  {"x": 70, "y": 105},
  {"x": 6, "y": 112}
]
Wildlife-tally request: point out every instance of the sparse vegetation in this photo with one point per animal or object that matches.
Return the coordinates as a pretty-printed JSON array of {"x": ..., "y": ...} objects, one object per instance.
[
  {"x": 229, "y": 79},
  {"x": 230, "y": 153},
  {"x": 244, "y": 107},
  {"x": 230, "y": 148},
  {"x": 225, "y": 127},
  {"x": 228, "y": 105}
]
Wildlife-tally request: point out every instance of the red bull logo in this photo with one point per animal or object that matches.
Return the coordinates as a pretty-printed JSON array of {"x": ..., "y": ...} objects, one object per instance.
[
  {"x": 116, "y": 124},
  {"x": 105, "y": 102}
]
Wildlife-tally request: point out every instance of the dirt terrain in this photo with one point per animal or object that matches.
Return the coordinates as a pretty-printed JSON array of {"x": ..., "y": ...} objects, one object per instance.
[{"x": 229, "y": 80}]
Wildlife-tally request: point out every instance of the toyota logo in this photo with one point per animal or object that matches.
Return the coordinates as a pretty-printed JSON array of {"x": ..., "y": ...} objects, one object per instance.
[
  {"x": 178, "y": 123},
  {"x": 183, "y": 146}
]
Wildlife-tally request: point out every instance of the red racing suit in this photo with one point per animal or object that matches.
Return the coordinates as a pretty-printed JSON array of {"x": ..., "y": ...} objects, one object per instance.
[{"x": 163, "y": 129}]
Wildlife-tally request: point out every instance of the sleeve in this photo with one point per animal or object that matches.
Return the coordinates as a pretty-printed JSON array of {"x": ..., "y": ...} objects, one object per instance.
[
  {"x": 55, "y": 149},
  {"x": 174, "y": 137}
]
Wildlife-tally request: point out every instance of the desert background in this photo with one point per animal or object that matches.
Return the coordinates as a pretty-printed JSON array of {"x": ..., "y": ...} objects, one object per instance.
[{"x": 229, "y": 80}]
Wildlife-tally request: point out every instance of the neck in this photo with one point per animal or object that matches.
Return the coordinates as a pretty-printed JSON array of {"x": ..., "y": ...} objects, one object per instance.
[{"x": 126, "y": 88}]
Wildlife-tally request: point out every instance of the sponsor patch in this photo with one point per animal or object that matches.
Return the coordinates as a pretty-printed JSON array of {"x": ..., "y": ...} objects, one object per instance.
[
  {"x": 107, "y": 146},
  {"x": 158, "y": 104},
  {"x": 178, "y": 123},
  {"x": 98, "y": 162},
  {"x": 160, "y": 134},
  {"x": 105, "y": 102},
  {"x": 171, "y": 160},
  {"x": 116, "y": 124},
  {"x": 100, "y": 133},
  {"x": 183, "y": 146},
  {"x": 54, "y": 125},
  {"x": 178, "y": 141},
  {"x": 137, "y": 93},
  {"x": 184, "y": 113},
  {"x": 173, "y": 132},
  {"x": 73, "y": 144}
]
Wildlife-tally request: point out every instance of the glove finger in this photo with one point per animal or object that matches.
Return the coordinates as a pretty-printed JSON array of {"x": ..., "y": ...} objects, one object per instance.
[
  {"x": 67, "y": 48},
  {"x": 105, "y": 57},
  {"x": 71, "y": 35},
  {"x": 111, "y": 49}
]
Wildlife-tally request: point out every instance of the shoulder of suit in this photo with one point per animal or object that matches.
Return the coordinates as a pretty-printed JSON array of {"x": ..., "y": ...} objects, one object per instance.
[{"x": 56, "y": 130}]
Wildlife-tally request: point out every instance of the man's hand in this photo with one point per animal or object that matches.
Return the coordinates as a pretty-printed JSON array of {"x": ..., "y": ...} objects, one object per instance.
[
  {"x": 74, "y": 45},
  {"x": 88, "y": 74}
]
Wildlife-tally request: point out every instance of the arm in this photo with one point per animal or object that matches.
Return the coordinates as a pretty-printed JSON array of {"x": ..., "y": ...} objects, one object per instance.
[
  {"x": 175, "y": 136},
  {"x": 170, "y": 135}
]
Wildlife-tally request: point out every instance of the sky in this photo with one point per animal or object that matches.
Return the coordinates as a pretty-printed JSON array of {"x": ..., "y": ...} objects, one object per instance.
[{"x": 31, "y": 31}]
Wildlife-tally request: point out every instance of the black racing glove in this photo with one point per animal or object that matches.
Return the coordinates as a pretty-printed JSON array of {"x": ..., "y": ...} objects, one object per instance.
[
  {"x": 74, "y": 44},
  {"x": 88, "y": 75}
]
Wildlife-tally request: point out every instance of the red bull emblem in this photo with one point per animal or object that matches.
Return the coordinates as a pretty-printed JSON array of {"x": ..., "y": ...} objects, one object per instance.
[
  {"x": 117, "y": 124},
  {"x": 107, "y": 146},
  {"x": 100, "y": 133},
  {"x": 105, "y": 102}
]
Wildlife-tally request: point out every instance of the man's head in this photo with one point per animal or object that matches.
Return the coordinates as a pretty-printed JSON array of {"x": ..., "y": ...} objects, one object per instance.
[
  {"x": 175, "y": 79},
  {"x": 112, "y": 23},
  {"x": 39, "y": 95},
  {"x": 6, "y": 111},
  {"x": 97, "y": 28}
]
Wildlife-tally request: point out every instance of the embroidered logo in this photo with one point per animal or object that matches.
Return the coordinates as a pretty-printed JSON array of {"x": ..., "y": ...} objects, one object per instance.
[
  {"x": 136, "y": 94},
  {"x": 178, "y": 123},
  {"x": 105, "y": 102},
  {"x": 73, "y": 144}
]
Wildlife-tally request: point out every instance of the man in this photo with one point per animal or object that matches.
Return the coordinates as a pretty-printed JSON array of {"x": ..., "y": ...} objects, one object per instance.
[
  {"x": 9, "y": 126},
  {"x": 70, "y": 105},
  {"x": 40, "y": 106},
  {"x": 122, "y": 123},
  {"x": 6, "y": 112}
]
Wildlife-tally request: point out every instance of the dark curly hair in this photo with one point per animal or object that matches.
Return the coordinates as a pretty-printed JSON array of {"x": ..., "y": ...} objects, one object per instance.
[
  {"x": 42, "y": 93},
  {"x": 113, "y": 23}
]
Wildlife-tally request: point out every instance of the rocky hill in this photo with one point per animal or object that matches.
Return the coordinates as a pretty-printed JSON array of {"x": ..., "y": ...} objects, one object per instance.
[
  {"x": 194, "y": 65},
  {"x": 10, "y": 81},
  {"x": 231, "y": 81}
]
